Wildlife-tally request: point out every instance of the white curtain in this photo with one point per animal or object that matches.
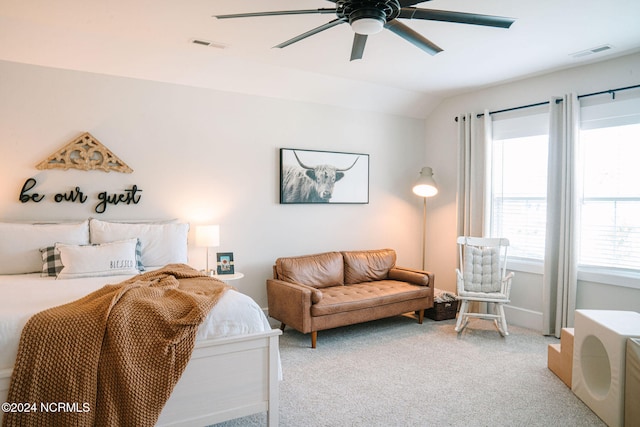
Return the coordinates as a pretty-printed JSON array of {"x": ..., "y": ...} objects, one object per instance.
[
  {"x": 473, "y": 142},
  {"x": 560, "y": 261}
]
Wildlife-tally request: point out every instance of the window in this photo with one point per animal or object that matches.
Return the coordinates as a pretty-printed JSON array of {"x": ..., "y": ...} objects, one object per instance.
[
  {"x": 519, "y": 194},
  {"x": 610, "y": 208},
  {"x": 610, "y": 197},
  {"x": 609, "y": 202},
  {"x": 518, "y": 189}
]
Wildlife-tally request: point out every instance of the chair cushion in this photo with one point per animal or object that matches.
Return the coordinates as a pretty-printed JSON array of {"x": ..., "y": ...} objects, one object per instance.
[
  {"x": 481, "y": 269},
  {"x": 479, "y": 296},
  {"x": 319, "y": 271},
  {"x": 366, "y": 266}
]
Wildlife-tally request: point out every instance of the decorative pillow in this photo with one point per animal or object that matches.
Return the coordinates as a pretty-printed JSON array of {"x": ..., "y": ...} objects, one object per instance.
[
  {"x": 145, "y": 221},
  {"x": 318, "y": 271},
  {"x": 106, "y": 259},
  {"x": 20, "y": 243},
  {"x": 368, "y": 266},
  {"x": 161, "y": 243},
  {"x": 51, "y": 264},
  {"x": 139, "y": 264}
]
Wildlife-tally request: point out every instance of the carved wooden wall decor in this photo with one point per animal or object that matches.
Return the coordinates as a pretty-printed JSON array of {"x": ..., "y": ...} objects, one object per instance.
[{"x": 86, "y": 153}]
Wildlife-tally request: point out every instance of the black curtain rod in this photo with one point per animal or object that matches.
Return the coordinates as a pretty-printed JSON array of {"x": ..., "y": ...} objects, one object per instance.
[
  {"x": 537, "y": 104},
  {"x": 612, "y": 92}
]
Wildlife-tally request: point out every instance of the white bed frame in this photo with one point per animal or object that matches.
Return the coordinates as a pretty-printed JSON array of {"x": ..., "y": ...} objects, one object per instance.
[{"x": 226, "y": 378}]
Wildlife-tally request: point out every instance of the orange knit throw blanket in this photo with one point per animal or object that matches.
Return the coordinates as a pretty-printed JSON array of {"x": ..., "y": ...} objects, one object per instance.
[{"x": 113, "y": 357}]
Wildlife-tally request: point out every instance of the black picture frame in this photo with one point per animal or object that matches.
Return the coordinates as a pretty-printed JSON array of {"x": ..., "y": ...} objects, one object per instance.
[
  {"x": 224, "y": 263},
  {"x": 344, "y": 178}
]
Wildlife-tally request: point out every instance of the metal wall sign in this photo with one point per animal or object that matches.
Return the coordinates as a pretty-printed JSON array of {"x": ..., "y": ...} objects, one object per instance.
[{"x": 128, "y": 196}]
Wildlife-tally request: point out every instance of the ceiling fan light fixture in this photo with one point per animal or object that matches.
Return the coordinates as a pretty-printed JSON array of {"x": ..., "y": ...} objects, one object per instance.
[{"x": 367, "y": 21}]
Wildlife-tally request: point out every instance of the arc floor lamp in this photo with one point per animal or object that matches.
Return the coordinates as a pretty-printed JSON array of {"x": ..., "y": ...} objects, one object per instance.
[{"x": 425, "y": 187}]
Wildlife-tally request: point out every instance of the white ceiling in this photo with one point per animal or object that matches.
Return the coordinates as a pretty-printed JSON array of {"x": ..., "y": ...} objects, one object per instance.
[{"x": 151, "y": 39}]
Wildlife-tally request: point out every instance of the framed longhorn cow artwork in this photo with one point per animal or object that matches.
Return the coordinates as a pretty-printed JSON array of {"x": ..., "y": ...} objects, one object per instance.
[{"x": 311, "y": 176}]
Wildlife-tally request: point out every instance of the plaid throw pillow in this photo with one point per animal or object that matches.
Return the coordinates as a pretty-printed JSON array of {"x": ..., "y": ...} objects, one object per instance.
[
  {"x": 51, "y": 263},
  {"x": 139, "y": 265}
]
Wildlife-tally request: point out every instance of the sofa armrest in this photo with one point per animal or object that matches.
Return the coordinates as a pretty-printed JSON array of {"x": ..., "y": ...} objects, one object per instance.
[
  {"x": 291, "y": 303},
  {"x": 417, "y": 277},
  {"x": 316, "y": 294}
]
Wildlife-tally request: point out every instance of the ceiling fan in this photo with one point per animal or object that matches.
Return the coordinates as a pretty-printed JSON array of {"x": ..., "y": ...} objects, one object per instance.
[{"x": 368, "y": 17}]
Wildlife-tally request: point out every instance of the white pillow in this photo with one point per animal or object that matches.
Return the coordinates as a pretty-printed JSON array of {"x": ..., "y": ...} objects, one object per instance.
[
  {"x": 106, "y": 259},
  {"x": 20, "y": 243},
  {"x": 160, "y": 243}
]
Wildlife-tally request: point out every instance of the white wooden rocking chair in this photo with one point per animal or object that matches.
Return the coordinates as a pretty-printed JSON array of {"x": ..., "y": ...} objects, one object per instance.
[{"x": 482, "y": 277}]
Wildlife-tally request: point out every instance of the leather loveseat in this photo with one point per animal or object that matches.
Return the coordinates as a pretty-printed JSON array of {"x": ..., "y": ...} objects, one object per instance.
[{"x": 322, "y": 291}]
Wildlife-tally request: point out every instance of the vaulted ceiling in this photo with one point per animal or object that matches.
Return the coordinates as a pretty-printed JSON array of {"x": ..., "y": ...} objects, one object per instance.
[{"x": 153, "y": 40}]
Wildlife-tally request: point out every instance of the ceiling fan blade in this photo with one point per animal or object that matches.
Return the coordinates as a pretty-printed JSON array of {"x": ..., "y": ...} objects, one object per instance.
[
  {"x": 412, "y": 37},
  {"x": 316, "y": 30},
  {"x": 359, "y": 41},
  {"x": 457, "y": 17},
  {"x": 405, "y": 3},
  {"x": 275, "y": 13}
]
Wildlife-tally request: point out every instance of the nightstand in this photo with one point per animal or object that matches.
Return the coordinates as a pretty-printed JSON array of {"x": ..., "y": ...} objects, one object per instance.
[{"x": 228, "y": 277}]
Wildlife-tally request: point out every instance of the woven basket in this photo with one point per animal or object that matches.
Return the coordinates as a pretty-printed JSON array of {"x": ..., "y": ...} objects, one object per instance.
[{"x": 442, "y": 310}]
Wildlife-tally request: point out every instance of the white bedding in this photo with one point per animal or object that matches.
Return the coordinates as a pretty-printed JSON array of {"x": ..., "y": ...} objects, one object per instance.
[{"x": 24, "y": 295}]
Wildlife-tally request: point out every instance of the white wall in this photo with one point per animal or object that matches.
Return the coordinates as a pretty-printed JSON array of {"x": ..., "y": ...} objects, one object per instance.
[
  {"x": 441, "y": 131},
  {"x": 207, "y": 156}
]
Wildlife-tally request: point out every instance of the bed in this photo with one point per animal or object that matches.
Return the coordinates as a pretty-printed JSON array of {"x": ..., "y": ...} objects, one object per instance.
[{"x": 234, "y": 369}]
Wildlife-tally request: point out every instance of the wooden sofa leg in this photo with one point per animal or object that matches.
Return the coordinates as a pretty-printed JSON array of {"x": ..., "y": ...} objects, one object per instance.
[
  {"x": 314, "y": 339},
  {"x": 282, "y": 326},
  {"x": 420, "y": 316}
]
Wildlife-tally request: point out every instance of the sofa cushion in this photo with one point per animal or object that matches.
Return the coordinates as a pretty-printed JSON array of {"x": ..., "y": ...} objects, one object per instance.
[
  {"x": 365, "y": 266},
  {"x": 366, "y": 295},
  {"x": 319, "y": 271}
]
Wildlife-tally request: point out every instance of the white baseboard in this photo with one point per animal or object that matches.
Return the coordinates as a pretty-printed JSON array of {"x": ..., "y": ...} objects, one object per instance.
[{"x": 523, "y": 317}]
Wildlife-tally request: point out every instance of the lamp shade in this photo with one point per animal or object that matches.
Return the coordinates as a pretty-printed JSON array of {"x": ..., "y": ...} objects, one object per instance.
[
  {"x": 425, "y": 186},
  {"x": 208, "y": 235}
]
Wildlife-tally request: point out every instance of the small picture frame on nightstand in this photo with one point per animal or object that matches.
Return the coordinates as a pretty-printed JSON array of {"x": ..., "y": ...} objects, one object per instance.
[{"x": 224, "y": 263}]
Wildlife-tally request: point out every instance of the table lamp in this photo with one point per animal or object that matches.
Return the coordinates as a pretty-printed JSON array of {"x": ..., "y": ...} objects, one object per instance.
[{"x": 208, "y": 236}]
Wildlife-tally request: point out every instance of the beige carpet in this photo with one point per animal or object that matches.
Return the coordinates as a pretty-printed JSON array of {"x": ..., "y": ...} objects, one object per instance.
[{"x": 395, "y": 372}]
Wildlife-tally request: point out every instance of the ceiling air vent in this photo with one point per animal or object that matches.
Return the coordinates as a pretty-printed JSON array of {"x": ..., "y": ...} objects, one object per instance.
[
  {"x": 591, "y": 51},
  {"x": 208, "y": 43}
]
